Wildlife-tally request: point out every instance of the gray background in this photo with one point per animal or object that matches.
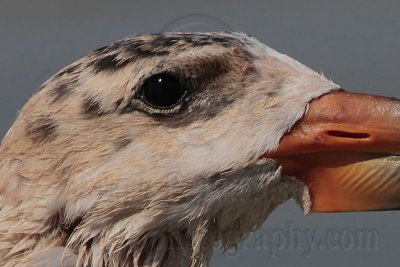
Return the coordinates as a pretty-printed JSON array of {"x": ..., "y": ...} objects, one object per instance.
[{"x": 355, "y": 43}]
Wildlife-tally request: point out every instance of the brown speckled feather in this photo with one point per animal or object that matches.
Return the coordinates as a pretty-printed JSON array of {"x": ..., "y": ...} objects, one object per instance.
[{"x": 92, "y": 175}]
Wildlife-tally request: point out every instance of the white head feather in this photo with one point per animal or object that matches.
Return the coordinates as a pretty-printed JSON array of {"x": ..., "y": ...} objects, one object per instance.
[{"x": 88, "y": 166}]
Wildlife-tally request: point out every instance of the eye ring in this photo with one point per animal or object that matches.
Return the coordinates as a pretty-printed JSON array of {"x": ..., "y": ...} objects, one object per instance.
[{"x": 162, "y": 91}]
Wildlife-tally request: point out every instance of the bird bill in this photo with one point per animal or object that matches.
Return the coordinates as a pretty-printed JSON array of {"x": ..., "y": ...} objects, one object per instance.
[{"x": 345, "y": 149}]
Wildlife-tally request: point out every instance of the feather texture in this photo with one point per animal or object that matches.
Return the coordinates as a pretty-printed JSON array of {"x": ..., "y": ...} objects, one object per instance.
[{"x": 91, "y": 175}]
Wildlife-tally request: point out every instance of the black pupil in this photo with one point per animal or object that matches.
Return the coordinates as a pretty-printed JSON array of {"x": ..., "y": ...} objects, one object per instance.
[{"x": 162, "y": 90}]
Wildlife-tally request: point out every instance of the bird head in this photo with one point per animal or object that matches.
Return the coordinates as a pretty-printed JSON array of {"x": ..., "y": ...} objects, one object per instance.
[{"x": 149, "y": 150}]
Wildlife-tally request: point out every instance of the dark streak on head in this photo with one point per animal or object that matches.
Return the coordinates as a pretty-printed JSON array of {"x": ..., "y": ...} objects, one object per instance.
[
  {"x": 91, "y": 108},
  {"x": 129, "y": 50},
  {"x": 118, "y": 103},
  {"x": 109, "y": 62},
  {"x": 71, "y": 69},
  {"x": 100, "y": 50},
  {"x": 42, "y": 130},
  {"x": 122, "y": 142},
  {"x": 68, "y": 70},
  {"x": 199, "y": 39},
  {"x": 62, "y": 90},
  {"x": 277, "y": 84},
  {"x": 64, "y": 82},
  {"x": 272, "y": 94},
  {"x": 142, "y": 49},
  {"x": 204, "y": 71},
  {"x": 123, "y": 52}
]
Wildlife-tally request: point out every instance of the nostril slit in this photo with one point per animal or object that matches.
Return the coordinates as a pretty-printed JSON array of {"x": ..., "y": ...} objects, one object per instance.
[{"x": 348, "y": 135}]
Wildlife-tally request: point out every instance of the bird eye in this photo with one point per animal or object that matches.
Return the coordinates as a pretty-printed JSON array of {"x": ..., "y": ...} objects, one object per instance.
[{"x": 162, "y": 91}]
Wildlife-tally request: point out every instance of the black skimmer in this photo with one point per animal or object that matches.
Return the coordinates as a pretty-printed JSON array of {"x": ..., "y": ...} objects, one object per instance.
[{"x": 149, "y": 150}]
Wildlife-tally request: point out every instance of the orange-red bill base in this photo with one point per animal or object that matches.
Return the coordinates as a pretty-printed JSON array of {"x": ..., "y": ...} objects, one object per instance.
[{"x": 345, "y": 150}]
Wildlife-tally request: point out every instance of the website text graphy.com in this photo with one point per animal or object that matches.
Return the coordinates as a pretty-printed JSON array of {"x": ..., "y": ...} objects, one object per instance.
[{"x": 276, "y": 241}]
